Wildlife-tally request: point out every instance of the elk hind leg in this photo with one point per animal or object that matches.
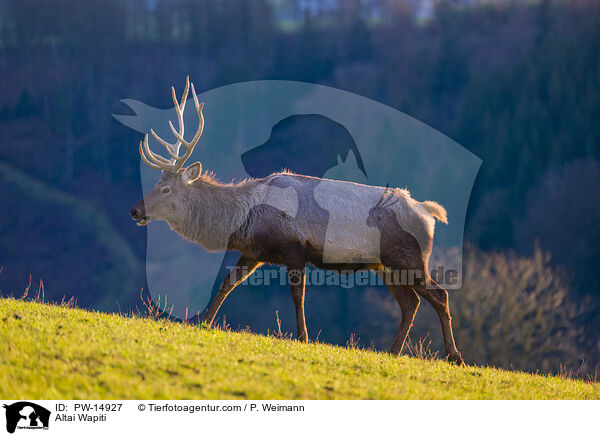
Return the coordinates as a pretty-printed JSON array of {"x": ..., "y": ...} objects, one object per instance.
[
  {"x": 438, "y": 298},
  {"x": 409, "y": 302}
]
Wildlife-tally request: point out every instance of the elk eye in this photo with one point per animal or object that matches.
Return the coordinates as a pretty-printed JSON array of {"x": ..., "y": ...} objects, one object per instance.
[{"x": 165, "y": 190}]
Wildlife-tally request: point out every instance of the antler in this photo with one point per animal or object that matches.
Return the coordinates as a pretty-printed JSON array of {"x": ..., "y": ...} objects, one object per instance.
[{"x": 158, "y": 162}]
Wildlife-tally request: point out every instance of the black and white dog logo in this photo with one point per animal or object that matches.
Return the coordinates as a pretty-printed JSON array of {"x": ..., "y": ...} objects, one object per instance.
[{"x": 26, "y": 415}]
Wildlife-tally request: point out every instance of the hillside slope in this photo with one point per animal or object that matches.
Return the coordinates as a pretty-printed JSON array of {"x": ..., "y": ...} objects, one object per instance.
[{"x": 55, "y": 352}]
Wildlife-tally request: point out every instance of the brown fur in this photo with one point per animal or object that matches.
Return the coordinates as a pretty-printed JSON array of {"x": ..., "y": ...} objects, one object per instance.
[{"x": 205, "y": 211}]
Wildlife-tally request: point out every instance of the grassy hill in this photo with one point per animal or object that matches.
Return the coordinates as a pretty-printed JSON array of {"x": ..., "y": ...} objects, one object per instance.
[{"x": 56, "y": 352}]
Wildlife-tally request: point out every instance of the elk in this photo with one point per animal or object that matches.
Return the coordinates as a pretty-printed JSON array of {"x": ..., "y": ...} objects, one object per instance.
[{"x": 284, "y": 219}]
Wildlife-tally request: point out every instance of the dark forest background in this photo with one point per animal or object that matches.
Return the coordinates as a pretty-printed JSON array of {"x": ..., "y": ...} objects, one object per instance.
[{"x": 517, "y": 83}]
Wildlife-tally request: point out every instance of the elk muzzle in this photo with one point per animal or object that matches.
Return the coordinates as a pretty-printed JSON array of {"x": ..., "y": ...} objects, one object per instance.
[{"x": 138, "y": 213}]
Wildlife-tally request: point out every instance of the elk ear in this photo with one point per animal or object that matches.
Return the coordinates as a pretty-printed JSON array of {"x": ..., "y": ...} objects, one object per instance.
[{"x": 191, "y": 173}]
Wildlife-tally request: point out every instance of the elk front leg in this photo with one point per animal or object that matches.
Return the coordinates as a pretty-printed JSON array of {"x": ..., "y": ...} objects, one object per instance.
[
  {"x": 237, "y": 275},
  {"x": 297, "y": 280},
  {"x": 438, "y": 298}
]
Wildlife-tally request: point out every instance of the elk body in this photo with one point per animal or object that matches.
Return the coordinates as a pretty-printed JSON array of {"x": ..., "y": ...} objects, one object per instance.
[{"x": 284, "y": 219}]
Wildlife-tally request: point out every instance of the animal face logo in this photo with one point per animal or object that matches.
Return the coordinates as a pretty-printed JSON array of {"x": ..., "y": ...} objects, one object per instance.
[
  {"x": 253, "y": 129},
  {"x": 309, "y": 144},
  {"x": 26, "y": 415}
]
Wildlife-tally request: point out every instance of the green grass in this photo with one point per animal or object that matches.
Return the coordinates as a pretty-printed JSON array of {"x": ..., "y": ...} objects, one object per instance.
[{"x": 55, "y": 352}]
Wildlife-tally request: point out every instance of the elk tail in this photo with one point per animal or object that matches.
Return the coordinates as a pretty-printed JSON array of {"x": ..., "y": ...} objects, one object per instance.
[{"x": 436, "y": 210}]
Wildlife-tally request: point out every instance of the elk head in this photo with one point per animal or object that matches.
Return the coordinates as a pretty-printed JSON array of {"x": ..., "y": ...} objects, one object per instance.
[{"x": 165, "y": 198}]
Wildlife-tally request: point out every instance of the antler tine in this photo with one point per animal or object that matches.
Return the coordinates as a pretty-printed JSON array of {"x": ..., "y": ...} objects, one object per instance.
[
  {"x": 166, "y": 144},
  {"x": 189, "y": 145},
  {"x": 157, "y": 161},
  {"x": 145, "y": 159},
  {"x": 155, "y": 158},
  {"x": 173, "y": 149},
  {"x": 179, "y": 108},
  {"x": 198, "y": 105}
]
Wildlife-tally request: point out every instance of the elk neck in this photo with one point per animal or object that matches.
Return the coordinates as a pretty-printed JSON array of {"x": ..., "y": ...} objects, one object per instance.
[{"x": 211, "y": 211}]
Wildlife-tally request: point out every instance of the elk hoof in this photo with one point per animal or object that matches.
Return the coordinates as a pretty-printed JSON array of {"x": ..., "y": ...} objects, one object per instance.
[{"x": 456, "y": 359}]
